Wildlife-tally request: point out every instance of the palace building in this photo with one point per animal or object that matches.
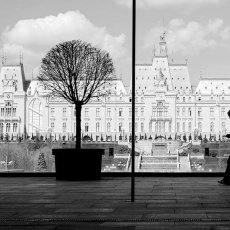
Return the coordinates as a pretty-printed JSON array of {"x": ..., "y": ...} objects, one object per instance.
[{"x": 166, "y": 104}]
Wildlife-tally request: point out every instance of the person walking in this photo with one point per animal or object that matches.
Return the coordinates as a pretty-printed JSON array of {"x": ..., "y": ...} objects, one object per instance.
[{"x": 226, "y": 178}]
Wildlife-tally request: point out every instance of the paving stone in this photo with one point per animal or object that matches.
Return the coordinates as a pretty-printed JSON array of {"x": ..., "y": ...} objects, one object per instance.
[{"x": 160, "y": 203}]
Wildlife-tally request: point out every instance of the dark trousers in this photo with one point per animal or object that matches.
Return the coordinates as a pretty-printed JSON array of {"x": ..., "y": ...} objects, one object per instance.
[{"x": 227, "y": 171}]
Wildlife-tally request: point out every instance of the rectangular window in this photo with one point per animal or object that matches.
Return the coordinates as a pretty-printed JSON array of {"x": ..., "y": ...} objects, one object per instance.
[
  {"x": 166, "y": 112},
  {"x": 178, "y": 127},
  {"x": 136, "y": 112},
  {"x": 64, "y": 112},
  {"x": 14, "y": 112},
  {"x": 108, "y": 112},
  {"x": 190, "y": 127},
  {"x": 159, "y": 112},
  {"x": 178, "y": 112},
  {"x": 86, "y": 127},
  {"x": 142, "y": 112},
  {"x": 97, "y": 112},
  {"x": 136, "y": 127},
  {"x": 86, "y": 112},
  {"x": 108, "y": 127},
  {"x": 189, "y": 112},
  {"x": 170, "y": 127},
  {"x": 211, "y": 127},
  {"x": 64, "y": 127},
  {"x": 120, "y": 112},
  {"x": 130, "y": 112},
  {"x": 2, "y": 112},
  {"x": 130, "y": 127},
  {"x": 183, "y": 126},
  {"x": 211, "y": 111},
  {"x": 199, "y": 112},
  {"x": 120, "y": 127},
  {"x": 8, "y": 112},
  {"x": 142, "y": 127},
  {"x": 223, "y": 127},
  {"x": 52, "y": 126},
  {"x": 183, "y": 111},
  {"x": 97, "y": 127},
  {"x": 222, "y": 112},
  {"x": 200, "y": 127},
  {"x": 52, "y": 112},
  {"x": 154, "y": 112},
  {"x": 1, "y": 127}
]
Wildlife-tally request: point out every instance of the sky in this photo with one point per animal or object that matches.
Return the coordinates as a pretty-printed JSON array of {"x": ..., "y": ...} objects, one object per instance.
[{"x": 197, "y": 31}]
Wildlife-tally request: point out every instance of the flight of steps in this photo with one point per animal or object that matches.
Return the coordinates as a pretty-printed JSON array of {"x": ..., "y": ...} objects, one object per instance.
[{"x": 160, "y": 160}]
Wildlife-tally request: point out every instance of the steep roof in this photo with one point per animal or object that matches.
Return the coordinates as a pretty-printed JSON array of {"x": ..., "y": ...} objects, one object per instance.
[{"x": 213, "y": 85}]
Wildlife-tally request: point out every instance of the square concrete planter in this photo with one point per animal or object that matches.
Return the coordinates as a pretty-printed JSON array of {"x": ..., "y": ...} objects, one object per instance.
[{"x": 78, "y": 164}]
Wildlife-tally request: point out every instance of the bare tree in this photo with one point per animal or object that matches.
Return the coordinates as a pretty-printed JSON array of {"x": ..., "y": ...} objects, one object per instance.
[{"x": 77, "y": 72}]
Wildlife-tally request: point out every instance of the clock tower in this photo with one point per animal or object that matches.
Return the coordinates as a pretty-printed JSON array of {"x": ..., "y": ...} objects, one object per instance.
[{"x": 12, "y": 100}]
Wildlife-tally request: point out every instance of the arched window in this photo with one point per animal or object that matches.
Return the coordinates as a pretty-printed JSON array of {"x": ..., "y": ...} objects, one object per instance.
[
  {"x": 7, "y": 127},
  {"x": 15, "y": 127}
]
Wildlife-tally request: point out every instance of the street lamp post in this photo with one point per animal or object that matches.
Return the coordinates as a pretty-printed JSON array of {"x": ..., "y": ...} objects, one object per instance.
[{"x": 133, "y": 100}]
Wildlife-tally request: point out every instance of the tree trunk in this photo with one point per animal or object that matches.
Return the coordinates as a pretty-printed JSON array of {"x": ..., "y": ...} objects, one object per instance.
[{"x": 78, "y": 108}]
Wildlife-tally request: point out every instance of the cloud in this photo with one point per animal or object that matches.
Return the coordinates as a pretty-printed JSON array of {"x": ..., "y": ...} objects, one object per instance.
[
  {"x": 36, "y": 36},
  {"x": 162, "y": 3},
  {"x": 192, "y": 37}
]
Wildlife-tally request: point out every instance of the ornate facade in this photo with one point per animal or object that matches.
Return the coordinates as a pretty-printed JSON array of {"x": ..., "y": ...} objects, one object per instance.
[{"x": 166, "y": 104}]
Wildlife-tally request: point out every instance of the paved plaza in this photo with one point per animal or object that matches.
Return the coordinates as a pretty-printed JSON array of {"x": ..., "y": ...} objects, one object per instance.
[{"x": 161, "y": 203}]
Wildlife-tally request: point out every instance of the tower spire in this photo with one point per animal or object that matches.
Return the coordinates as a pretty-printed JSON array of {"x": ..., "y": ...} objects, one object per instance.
[
  {"x": 21, "y": 58},
  {"x": 163, "y": 47},
  {"x": 3, "y": 58}
]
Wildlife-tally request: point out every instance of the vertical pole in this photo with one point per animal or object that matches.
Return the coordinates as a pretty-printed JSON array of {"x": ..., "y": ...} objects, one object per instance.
[{"x": 133, "y": 100}]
